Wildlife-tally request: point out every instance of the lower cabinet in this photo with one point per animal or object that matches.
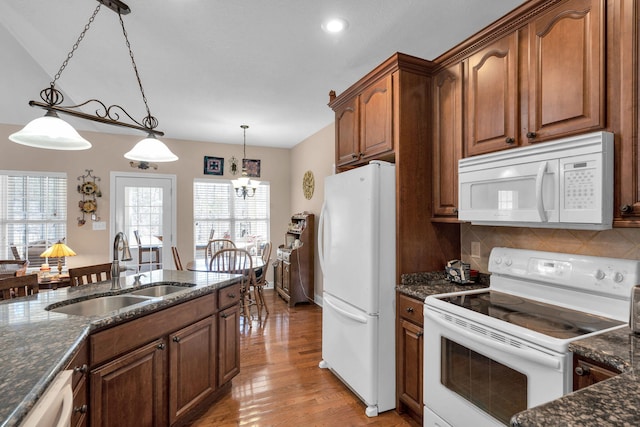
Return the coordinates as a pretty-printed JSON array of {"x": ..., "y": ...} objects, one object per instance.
[
  {"x": 409, "y": 356},
  {"x": 156, "y": 369},
  {"x": 587, "y": 372},
  {"x": 79, "y": 366}
]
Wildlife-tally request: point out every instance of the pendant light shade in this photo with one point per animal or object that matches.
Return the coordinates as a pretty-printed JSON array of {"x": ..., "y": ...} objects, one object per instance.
[
  {"x": 151, "y": 149},
  {"x": 50, "y": 132}
]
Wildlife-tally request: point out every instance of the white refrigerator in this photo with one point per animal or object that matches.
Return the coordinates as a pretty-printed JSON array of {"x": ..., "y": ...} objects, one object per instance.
[{"x": 357, "y": 250}]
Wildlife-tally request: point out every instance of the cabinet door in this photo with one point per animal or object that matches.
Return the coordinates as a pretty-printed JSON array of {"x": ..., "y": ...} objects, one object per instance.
[
  {"x": 492, "y": 97},
  {"x": 410, "y": 355},
  {"x": 376, "y": 102},
  {"x": 129, "y": 391},
  {"x": 447, "y": 139},
  {"x": 566, "y": 81},
  {"x": 192, "y": 362},
  {"x": 587, "y": 372},
  {"x": 228, "y": 344},
  {"x": 286, "y": 278},
  {"x": 347, "y": 133}
]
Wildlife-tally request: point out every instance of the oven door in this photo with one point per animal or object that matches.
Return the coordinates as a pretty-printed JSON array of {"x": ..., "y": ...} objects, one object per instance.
[{"x": 474, "y": 375}]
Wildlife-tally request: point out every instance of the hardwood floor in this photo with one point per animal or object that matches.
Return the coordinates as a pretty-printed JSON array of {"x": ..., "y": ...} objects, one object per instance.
[{"x": 280, "y": 383}]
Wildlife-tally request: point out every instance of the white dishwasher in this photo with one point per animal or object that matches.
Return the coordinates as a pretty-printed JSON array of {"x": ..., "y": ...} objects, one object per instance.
[{"x": 55, "y": 406}]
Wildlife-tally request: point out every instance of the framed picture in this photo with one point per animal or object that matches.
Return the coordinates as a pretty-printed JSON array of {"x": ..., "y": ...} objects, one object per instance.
[
  {"x": 252, "y": 167},
  {"x": 213, "y": 165}
]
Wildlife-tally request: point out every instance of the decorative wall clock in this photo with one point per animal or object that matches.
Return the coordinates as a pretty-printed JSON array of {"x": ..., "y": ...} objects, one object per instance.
[
  {"x": 90, "y": 191},
  {"x": 308, "y": 185}
]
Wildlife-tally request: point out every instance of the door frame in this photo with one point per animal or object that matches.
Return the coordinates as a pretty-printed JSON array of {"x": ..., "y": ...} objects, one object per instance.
[{"x": 166, "y": 242}]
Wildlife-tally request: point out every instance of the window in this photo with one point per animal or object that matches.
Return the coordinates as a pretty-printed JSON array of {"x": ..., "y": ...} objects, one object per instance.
[
  {"x": 33, "y": 213},
  {"x": 219, "y": 213}
]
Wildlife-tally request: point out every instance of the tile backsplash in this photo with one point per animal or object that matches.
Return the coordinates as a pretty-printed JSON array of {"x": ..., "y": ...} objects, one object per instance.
[{"x": 615, "y": 243}]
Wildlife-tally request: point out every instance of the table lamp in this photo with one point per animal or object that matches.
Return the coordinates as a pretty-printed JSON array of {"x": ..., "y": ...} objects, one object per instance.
[{"x": 58, "y": 250}]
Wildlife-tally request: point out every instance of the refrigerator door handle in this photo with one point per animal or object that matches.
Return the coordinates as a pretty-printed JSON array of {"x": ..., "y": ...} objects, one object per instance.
[
  {"x": 345, "y": 313},
  {"x": 321, "y": 236}
]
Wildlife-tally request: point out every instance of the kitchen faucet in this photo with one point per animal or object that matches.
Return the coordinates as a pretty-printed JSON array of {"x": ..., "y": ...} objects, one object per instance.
[{"x": 126, "y": 256}]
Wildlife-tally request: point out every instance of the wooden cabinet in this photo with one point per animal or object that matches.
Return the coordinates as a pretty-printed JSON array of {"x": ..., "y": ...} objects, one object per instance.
[
  {"x": 587, "y": 372},
  {"x": 192, "y": 366},
  {"x": 492, "y": 97},
  {"x": 363, "y": 124},
  {"x": 566, "y": 72},
  {"x": 80, "y": 367},
  {"x": 129, "y": 391},
  {"x": 156, "y": 369},
  {"x": 409, "y": 356},
  {"x": 447, "y": 140},
  {"x": 295, "y": 271}
]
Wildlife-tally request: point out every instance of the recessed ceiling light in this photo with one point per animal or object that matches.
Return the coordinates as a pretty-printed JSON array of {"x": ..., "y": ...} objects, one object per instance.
[{"x": 335, "y": 25}]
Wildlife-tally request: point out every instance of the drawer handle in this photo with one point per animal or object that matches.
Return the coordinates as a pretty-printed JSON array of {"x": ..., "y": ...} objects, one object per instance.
[
  {"x": 231, "y": 295},
  {"x": 582, "y": 370},
  {"x": 409, "y": 309},
  {"x": 81, "y": 369},
  {"x": 81, "y": 409},
  {"x": 176, "y": 339}
]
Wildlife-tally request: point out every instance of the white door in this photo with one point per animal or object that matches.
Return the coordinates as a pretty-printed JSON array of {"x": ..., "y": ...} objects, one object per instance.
[{"x": 145, "y": 203}]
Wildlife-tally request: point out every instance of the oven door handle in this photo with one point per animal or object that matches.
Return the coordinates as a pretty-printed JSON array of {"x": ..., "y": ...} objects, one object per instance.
[{"x": 533, "y": 356}]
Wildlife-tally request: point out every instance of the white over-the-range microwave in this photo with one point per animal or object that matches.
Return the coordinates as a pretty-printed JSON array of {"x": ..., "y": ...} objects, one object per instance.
[{"x": 567, "y": 183}]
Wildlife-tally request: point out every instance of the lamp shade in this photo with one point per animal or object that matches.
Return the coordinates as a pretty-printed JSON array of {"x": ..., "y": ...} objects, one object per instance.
[
  {"x": 50, "y": 132},
  {"x": 151, "y": 149},
  {"x": 57, "y": 251}
]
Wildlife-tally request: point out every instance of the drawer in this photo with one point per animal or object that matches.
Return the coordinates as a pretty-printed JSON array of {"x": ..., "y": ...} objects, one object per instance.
[
  {"x": 79, "y": 364},
  {"x": 410, "y": 309},
  {"x": 229, "y": 296}
]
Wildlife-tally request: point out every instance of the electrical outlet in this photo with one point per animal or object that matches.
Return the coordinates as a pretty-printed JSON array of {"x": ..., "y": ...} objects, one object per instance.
[
  {"x": 99, "y": 225},
  {"x": 475, "y": 249}
]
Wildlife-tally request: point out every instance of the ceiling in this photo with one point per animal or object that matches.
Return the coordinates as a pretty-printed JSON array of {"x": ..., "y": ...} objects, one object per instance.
[{"x": 208, "y": 66}]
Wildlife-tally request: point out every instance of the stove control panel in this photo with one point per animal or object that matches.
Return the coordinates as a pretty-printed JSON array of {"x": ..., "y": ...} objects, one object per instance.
[{"x": 611, "y": 276}]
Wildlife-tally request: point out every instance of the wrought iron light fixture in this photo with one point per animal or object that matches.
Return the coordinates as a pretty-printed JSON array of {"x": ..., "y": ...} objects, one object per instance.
[
  {"x": 244, "y": 186},
  {"x": 53, "y": 133}
]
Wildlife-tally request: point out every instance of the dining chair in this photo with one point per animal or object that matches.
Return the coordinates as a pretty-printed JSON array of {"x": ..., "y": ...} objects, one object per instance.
[
  {"x": 261, "y": 280},
  {"x": 236, "y": 261},
  {"x": 214, "y": 245},
  {"x": 19, "y": 286},
  {"x": 13, "y": 267},
  {"x": 90, "y": 274},
  {"x": 152, "y": 250},
  {"x": 176, "y": 258}
]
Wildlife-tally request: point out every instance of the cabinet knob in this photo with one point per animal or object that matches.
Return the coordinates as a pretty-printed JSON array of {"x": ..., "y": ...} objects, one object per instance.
[
  {"x": 361, "y": 155},
  {"x": 176, "y": 339},
  {"x": 531, "y": 135},
  {"x": 161, "y": 346},
  {"x": 509, "y": 140},
  {"x": 354, "y": 156},
  {"x": 81, "y": 409},
  {"x": 455, "y": 211},
  {"x": 626, "y": 209},
  {"x": 580, "y": 370},
  {"x": 224, "y": 315},
  {"x": 82, "y": 369},
  {"x": 409, "y": 309},
  {"x": 231, "y": 295},
  {"x": 419, "y": 334}
]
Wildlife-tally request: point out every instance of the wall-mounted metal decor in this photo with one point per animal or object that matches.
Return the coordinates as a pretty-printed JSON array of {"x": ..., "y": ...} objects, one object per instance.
[{"x": 90, "y": 192}]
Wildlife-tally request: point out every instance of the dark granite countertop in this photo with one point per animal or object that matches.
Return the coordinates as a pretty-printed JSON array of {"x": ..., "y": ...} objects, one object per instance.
[
  {"x": 421, "y": 285},
  {"x": 37, "y": 344},
  {"x": 609, "y": 403}
]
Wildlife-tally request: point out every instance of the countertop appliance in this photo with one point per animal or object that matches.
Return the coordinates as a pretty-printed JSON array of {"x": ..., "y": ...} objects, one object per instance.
[
  {"x": 491, "y": 353},
  {"x": 357, "y": 251},
  {"x": 567, "y": 183}
]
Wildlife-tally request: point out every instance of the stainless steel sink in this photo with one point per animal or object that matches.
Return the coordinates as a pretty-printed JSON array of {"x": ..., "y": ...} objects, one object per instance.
[
  {"x": 101, "y": 305},
  {"x": 159, "y": 290}
]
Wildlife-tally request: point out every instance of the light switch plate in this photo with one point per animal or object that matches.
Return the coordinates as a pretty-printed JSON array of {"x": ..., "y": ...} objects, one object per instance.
[
  {"x": 99, "y": 225},
  {"x": 475, "y": 249}
]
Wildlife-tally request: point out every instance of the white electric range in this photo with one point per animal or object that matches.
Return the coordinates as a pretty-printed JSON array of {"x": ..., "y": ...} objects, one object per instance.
[{"x": 491, "y": 353}]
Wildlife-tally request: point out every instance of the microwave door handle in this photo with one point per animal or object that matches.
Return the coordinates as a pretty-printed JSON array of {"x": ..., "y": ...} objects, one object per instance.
[
  {"x": 525, "y": 353},
  {"x": 539, "y": 201}
]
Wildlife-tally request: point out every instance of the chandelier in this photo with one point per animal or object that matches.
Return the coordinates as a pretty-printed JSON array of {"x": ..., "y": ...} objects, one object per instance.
[
  {"x": 244, "y": 186},
  {"x": 53, "y": 133}
]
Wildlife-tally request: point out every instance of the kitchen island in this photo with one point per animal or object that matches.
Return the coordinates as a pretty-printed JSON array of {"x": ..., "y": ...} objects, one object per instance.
[{"x": 37, "y": 344}]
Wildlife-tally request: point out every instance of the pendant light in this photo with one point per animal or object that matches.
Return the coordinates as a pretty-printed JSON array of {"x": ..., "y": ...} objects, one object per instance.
[
  {"x": 244, "y": 186},
  {"x": 53, "y": 133}
]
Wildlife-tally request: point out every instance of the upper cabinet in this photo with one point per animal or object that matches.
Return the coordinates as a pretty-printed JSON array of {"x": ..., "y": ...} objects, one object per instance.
[
  {"x": 492, "y": 97},
  {"x": 566, "y": 81},
  {"x": 447, "y": 139}
]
